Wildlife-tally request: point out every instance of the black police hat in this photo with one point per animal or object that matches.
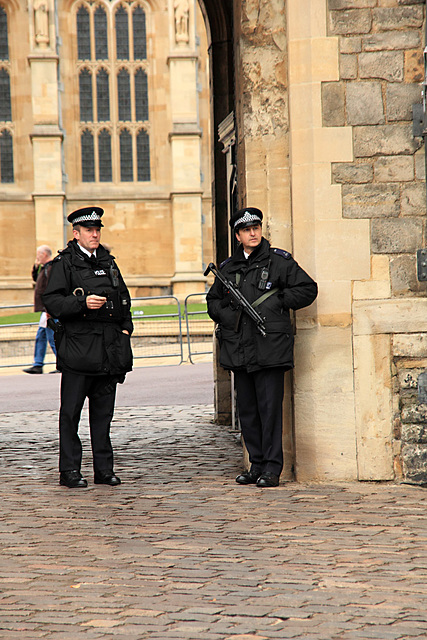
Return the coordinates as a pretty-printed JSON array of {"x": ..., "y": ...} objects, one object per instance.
[
  {"x": 87, "y": 217},
  {"x": 247, "y": 217}
]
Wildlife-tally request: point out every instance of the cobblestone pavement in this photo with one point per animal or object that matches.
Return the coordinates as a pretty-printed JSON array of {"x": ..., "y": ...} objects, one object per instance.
[{"x": 180, "y": 551}]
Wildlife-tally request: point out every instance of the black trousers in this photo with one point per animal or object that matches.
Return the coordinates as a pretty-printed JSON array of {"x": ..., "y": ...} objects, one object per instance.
[
  {"x": 101, "y": 392},
  {"x": 259, "y": 401}
]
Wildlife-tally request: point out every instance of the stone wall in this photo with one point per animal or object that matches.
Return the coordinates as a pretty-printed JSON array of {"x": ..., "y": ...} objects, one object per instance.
[{"x": 381, "y": 68}]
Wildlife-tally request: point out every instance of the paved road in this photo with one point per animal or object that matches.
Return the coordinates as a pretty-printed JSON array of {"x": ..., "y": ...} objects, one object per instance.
[
  {"x": 185, "y": 384},
  {"x": 181, "y": 552}
]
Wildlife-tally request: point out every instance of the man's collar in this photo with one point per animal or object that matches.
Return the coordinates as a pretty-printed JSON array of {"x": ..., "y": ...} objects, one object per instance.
[{"x": 85, "y": 251}]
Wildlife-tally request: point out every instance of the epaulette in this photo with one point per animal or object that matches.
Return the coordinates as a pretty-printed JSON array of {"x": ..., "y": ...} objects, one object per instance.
[
  {"x": 284, "y": 254},
  {"x": 225, "y": 262}
]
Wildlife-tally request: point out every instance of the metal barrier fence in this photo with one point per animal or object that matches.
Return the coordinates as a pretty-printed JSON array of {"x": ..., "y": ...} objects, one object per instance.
[
  {"x": 199, "y": 327},
  {"x": 157, "y": 333}
]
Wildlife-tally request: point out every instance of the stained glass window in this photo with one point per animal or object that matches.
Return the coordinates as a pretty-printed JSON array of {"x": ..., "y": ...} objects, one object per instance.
[
  {"x": 122, "y": 34},
  {"x": 86, "y": 105},
  {"x": 88, "y": 157},
  {"x": 103, "y": 95},
  {"x": 126, "y": 163},
  {"x": 143, "y": 156},
  {"x": 4, "y": 46},
  {"x": 139, "y": 35},
  {"x": 83, "y": 34},
  {"x": 104, "y": 157},
  {"x": 6, "y": 157},
  {"x": 141, "y": 95},
  {"x": 101, "y": 34},
  {"x": 123, "y": 88},
  {"x": 5, "y": 103}
]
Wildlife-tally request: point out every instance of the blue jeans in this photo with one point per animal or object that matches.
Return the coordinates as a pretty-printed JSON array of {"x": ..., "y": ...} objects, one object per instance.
[{"x": 44, "y": 334}]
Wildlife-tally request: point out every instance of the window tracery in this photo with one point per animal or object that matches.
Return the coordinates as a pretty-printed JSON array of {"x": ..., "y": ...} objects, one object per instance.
[{"x": 113, "y": 91}]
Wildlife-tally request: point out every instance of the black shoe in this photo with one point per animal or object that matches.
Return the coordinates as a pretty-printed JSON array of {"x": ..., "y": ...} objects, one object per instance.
[
  {"x": 248, "y": 477},
  {"x": 72, "y": 479},
  {"x": 33, "y": 370},
  {"x": 267, "y": 479},
  {"x": 107, "y": 477}
]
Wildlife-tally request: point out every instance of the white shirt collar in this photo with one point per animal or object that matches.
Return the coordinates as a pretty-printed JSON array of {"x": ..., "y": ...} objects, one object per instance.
[
  {"x": 88, "y": 253},
  {"x": 246, "y": 254}
]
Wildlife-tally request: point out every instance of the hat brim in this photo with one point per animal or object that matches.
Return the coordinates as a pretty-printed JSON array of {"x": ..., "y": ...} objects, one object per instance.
[{"x": 88, "y": 223}]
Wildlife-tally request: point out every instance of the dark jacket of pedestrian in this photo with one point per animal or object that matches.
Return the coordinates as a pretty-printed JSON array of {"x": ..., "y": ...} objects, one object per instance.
[
  {"x": 40, "y": 275},
  {"x": 241, "y": 344},
  {"x": 88, "y": 341}
]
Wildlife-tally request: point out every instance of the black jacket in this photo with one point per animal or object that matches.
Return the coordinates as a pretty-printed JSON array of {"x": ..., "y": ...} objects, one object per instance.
[
  {"x": 89, "y": 342},
  {"x": 241, "y": 344}
]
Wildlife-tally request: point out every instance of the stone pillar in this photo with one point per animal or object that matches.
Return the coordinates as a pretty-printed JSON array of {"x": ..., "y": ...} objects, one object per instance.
[
  {"x": 48, "y": 194},
  {"x": 185, "y": 151}
]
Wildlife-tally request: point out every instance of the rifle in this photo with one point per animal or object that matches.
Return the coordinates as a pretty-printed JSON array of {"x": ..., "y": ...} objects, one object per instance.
[{"x": 239, "y": 298}]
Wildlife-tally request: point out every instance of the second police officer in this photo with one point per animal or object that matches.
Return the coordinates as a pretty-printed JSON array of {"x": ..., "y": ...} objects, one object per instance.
[{"x": 273, "y": 282}]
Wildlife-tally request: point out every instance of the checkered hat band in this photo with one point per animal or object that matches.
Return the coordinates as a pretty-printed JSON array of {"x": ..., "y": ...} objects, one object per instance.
[
  {"x": 92, "y": 216},
  {"x": 247, "y": 218}
]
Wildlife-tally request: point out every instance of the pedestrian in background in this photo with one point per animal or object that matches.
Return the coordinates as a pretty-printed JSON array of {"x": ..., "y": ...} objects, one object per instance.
[
  {"x": 273, "y": 283},
  {"x": 87, "y": 295},
  {"x": 40, "y": 275}
]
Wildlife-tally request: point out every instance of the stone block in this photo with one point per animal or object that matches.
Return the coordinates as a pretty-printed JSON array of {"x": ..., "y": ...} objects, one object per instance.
[
  {"x": 387, "y": 65},
  {"x": 403, "y": 275},
  {"x": 352, "y": 44},
  {"x": 364, "y": 103},
  {"x": 413, "y": 199},
  {"x": 389, "y": 18},
  {"x": 420, "y": 164},
  {"x": 370, "y": 201},
  {"x": 394, "y": 169},
  {"x": 400, "y": 98},
  {"x": 414, "y": 459},
  {"x": 389, "y": 139},
  {"x": 400, "y": 235},
  {"x": 413, "y": 345},
  {"x": 414, "y": 413},
  {"x": 333, "y": 104},
  {"x": 348, "y": 67},
  {"x": 348, "y": 172},
  {"x": 350, "y": 21},
  {"x": 340, "y": 5},
  {"x": 391, "y": 41},
  {"x": 414, "y": 66}
]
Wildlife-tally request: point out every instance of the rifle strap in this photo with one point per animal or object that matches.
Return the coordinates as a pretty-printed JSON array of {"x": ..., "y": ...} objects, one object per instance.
[{"x": 264, "y": 296}]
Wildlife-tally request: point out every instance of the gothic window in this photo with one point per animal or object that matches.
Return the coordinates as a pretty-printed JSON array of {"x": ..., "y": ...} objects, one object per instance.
[
  {"x": 6, "y": 156},
  {"x": 104, "y": 156},
  {"x": 4, "y": 45},
  {"x": 101, "y": 34},
  {"x": 88, "y": 157},
  {"x": 6, "y": 125},
  {"x": 113, "y": 75},
  {"x": 83, "y": 34},
  {"x": 5, "y": 104},
  {"x": 122, "y": 34},
  {"x": 103, "y": 95},
  {"x": 141, "y": 95},
  {"x": 85, "y": 89},
  {"x": 139, "y": 35},
  {"x": 123, "y": 90},
  {"x": 143, "y": 156},
  {"x": 126, "y": 164}
]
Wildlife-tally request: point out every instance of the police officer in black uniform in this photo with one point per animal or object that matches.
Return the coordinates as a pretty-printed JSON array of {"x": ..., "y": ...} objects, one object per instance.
[
  {"x": 88, "y": 297},
  {"x": 273, "y": 282}
]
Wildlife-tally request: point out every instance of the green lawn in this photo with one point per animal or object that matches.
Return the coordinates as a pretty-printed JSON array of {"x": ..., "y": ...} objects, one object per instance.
[{"x": 148, "y": 310}]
